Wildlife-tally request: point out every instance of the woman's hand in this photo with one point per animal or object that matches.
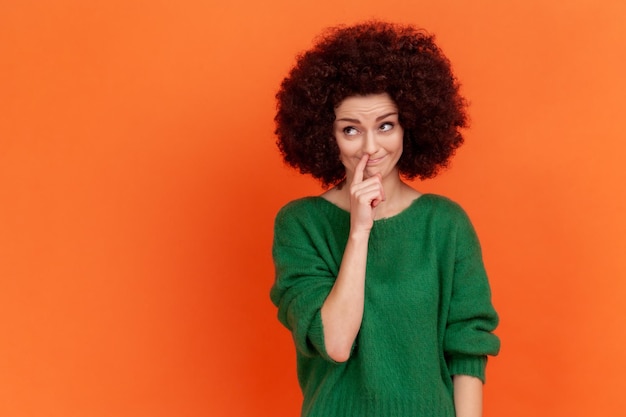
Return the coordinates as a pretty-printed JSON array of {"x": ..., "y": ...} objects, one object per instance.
[{"x": 365, "y": 195}]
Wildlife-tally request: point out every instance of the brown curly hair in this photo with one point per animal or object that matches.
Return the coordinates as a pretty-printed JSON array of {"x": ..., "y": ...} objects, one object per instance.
[{"x": 370, "y": 58}]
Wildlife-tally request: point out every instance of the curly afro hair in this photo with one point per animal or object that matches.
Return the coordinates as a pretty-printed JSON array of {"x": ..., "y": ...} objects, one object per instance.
[{"x": 370, "y": 58}]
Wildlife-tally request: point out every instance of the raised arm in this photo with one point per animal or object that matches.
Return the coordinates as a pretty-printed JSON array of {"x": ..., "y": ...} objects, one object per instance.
[{"x": 342, "y": 311}]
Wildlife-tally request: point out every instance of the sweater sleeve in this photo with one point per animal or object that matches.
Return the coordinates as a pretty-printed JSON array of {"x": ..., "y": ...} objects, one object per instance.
[
  {"x": 303, "y": 281},
  {"x": 471, "y": 317}
]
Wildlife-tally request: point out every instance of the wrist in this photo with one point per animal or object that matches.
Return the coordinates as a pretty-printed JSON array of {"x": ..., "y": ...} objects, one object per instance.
[{"x": 359, "y": 235}]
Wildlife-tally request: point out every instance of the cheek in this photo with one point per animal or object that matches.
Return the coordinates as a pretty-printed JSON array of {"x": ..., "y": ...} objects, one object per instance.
[
  {"x": 400, "y": 142},
  {"x": 345, "y": 150},
  {"x": 345, "y": 159}
]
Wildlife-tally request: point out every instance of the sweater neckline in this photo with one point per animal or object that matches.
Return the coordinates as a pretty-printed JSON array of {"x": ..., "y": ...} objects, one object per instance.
[{"x": 408, "y": 208}]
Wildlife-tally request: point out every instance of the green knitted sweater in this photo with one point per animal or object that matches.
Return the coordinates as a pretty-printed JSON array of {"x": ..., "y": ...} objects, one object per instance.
[{"x": 427, "y": 315}]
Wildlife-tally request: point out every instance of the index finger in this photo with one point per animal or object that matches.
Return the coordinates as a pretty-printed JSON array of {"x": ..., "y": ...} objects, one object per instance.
[{"x": 360, "y": 168}]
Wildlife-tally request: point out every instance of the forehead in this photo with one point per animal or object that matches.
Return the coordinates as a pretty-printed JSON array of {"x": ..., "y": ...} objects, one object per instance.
[{"x": 369, "y": 105}]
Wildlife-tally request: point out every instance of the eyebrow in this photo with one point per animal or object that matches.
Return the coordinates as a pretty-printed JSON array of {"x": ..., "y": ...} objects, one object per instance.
[{"x": 378, "y": 119}]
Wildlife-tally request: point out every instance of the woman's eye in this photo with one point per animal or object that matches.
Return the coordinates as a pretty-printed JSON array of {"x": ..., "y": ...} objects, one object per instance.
[
  {"x": 386, "y": 127},
  {"x": 350, "y": 131}
]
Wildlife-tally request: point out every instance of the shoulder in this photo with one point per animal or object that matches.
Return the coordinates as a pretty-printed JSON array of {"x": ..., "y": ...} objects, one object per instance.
[
  {"x": 300, "y": 207},
  {"x": 447, "y": 219},
  {"x": 452, "y": 220},
  {"x": 310, "y": 213},
  {"x": 443, "y": 207},
  {"x": 310, "y": 221}
]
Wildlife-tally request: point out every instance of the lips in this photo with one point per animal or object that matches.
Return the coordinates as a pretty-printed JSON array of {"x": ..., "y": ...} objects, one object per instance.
[{"x": 374, "y": 161}]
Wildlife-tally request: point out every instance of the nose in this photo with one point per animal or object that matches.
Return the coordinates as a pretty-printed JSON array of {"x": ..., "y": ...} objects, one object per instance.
[{"x": 370, "y": 144}]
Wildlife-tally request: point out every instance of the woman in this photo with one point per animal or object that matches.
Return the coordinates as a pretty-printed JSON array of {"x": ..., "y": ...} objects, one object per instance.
[{"x": 382, "y": 287}]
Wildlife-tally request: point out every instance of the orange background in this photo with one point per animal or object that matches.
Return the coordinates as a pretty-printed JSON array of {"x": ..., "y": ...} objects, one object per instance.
[{"x": 139, "y": 180}]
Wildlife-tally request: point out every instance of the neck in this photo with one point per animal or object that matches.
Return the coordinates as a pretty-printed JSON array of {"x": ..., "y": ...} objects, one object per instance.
[
  {"x": 395, "y": 191},
  {"x": 393, "y": 187}
]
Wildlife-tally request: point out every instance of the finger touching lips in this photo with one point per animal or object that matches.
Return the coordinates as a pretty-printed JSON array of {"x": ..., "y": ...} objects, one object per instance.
[{"x": 358, "y": 172}]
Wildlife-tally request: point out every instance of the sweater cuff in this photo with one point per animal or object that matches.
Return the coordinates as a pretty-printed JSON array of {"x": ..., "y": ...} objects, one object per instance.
[{"x": 468, "y": 365}]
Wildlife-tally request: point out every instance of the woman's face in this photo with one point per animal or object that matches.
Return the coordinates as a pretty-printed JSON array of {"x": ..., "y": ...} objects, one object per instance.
[{"x": 369, "y": 125}]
